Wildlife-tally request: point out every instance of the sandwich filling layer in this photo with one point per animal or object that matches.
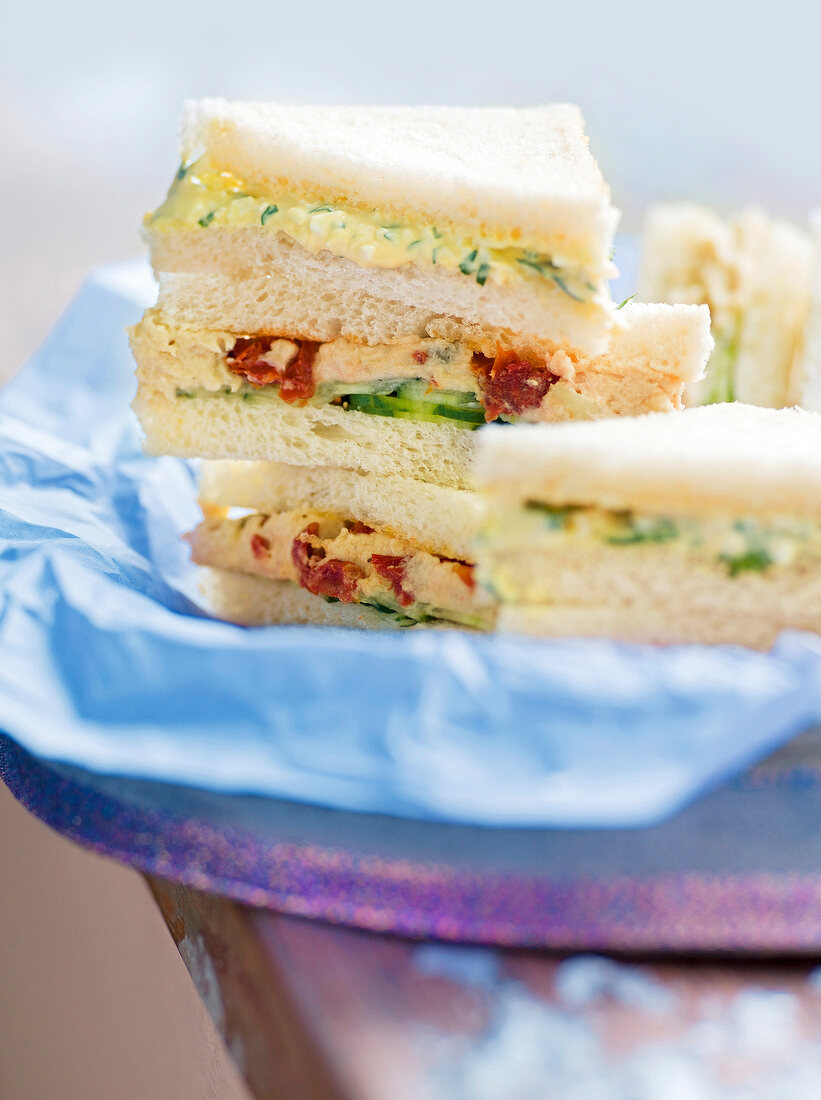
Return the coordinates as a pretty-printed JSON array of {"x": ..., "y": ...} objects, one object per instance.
[
  {"x": 201, "y": 197},
  {"x": 341, "y": 559},
  {"x": 425, "y": 379},
  {"x": 520, "y": 549}
]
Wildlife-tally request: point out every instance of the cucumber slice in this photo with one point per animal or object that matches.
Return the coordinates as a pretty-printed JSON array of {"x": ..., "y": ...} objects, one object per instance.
[
  {"x": 419, "y": 389},
  {"x": 405, "y": 408},
  {"x": 326, "y": 391},
  {"x": 425, "y": 613}
]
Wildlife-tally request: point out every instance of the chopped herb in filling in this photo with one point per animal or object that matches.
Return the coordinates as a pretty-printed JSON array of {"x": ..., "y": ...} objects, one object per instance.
[{"x": 202, "y": 196}]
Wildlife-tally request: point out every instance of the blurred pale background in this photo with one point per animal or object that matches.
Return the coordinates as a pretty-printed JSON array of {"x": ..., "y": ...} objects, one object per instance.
[{"x": 710, "y": 101}]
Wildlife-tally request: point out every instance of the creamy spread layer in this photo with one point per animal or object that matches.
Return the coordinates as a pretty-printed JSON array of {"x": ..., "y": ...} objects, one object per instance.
[
  {"x": 343, "y": 559},
  {"x": 731, "y": 546},
  {"x": 200, "y": 197},
  {"x": 426, "y": 379}
]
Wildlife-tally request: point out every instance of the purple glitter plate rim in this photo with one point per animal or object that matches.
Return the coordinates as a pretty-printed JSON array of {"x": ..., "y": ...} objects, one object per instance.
[{"x": 749, "y": 914}]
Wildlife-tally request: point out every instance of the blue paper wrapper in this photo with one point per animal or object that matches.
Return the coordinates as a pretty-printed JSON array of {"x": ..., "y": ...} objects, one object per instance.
[{"x": 109, "y": 663}]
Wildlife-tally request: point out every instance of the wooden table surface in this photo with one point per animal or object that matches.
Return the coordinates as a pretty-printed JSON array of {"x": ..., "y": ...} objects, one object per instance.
[{"x": 310, "y": 1010}]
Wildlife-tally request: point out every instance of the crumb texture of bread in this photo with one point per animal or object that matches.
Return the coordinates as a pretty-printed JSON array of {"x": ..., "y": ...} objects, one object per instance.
[
  {"x": 228, "y": 427},
  {"x": 255, "y": 601},
  {"x": 653, "y": 624},
  {"x": 661, "y": 340},
  {"x": 754, "y": 272},
  {"x": 806, "y": 374},
  {"x": 503, "y": 171},
  {"x": 442, "y": 520},
  {"x": 244, "y": 280},
  {"x": 732, "y": 458}
]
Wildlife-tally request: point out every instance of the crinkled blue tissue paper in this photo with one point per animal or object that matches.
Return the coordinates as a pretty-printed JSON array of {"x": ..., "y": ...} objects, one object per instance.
[{"x": 110, "y": 662}]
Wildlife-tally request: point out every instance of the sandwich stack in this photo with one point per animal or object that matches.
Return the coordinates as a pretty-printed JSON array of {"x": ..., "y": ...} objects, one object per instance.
[{"x": 346, "y": 295}]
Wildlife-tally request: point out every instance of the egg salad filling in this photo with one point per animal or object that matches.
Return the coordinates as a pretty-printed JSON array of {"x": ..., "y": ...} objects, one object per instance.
[
  {"x": 343, "y": 559},
  {"x": 736, "y": 545},
  {"x": 201, "y": 197}
]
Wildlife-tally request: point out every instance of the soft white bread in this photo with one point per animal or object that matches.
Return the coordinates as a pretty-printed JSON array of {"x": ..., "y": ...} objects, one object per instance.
[
  {"x": 690, "y": 254},
  {"x": 521, "y": 174},
  {"x": 254, "y": 601},
  {"x": 444, "y": 521},
  {"x": 719, "y": 623},
  {"x": 730, "y": 458},
  {"x": 776, "y": 307},
  {"x": 664, "y": 341},
  {"x": 806, "y": 376},
  {"x": 225, "y": 427},
  {"x": 244, "y": 280},
  {"x": 753, "y": 272}
]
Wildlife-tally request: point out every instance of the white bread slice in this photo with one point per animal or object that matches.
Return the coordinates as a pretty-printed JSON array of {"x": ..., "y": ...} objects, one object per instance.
[
  {"x": 217, "y": 427},
  {"x": 442, "y": 520},
  {"x": 690, "y": 254},
  {"x": 805, "y": 385},
  {"x": 520, "y": 174},
  {"x": 245, "y": 280},
  {"x": 673, "y": 623},
  {"x": 753, "y": 272},
  {"x": 254, "y": 601},
  {"x": 732, "y": 458},
  {"x": 776, "y": 307}
]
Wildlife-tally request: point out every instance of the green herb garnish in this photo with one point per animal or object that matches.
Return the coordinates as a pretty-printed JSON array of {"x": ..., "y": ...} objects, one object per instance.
[
  {"x": 562, "y": 285},
  {"x": 268, "y": 212},
  {"x": 555, "y": 516},
  {"x": 468, "y": 265},
  {"x": 206, "y": 221},
  {"x": 754, "y": 560},
  {"x": 644, "y": 530}
]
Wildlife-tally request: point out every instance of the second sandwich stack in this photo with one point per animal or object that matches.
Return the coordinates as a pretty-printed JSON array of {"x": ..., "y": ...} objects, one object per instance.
[{"x": 352, "y": 293}]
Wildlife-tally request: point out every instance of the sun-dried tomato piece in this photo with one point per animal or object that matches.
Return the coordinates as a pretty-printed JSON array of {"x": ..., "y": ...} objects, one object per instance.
[
  {"x": 420, "y": 357},
  {"x": 259, "y": 546},
  {"x": 320, "y": 575},
  {"x": 298, "y": 377},
  {"x": 356, "y": 527},
  {"x": 392, "y": 568},
  {"x": 465, "y": 573},
  {"x": 247, "y": 357},
  {"x": 296, "y": 381},
  {"x": 510, "y": 384}
]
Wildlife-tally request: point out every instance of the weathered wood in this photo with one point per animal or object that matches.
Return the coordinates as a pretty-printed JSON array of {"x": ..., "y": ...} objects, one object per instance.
[
  {"x": 310, "y": 1010},
  {"x": 244, "y": 995}
]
